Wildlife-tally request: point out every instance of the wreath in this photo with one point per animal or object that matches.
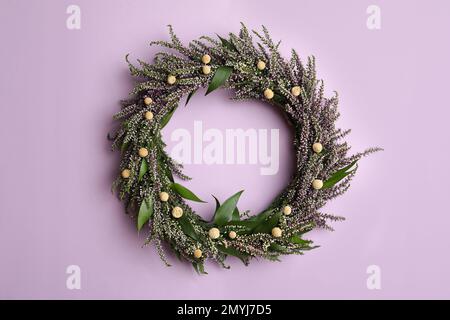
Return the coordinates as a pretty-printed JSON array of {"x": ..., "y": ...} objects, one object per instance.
[{"x": 253, "y": 71}]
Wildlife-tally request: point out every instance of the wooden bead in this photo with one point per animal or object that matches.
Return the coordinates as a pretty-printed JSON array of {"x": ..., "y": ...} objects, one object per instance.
[
  {"x": 177, "y": 212},
  {"x": 232, "y": 234},
  {"x": 317, "y": 184},
  {"x": 277, "y": 232},
  {"x": 143, "y": 152},
  {"x": 148, "y": 115},
  {"x": 163, "y": 196},
  {"x": 287, "y": 210},
  {"x": 214, "y": 233},
  {"x": 171, "y": 79},
  {"x": 206, "y": 69},
  {"x": 126, "y": 173},
  {"x": 148, "y": 101},
  {"x": 206, "y": 59},
  {"x": 198, "y": 253},
  {"x": 261, "y": 65},
  {"x": 296, "y": 91},
  {"x": 317, "y": 147},
  {"x": 268, "y": 94}
]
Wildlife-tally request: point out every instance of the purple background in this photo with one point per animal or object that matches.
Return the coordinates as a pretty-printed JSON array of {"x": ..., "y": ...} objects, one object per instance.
[{"x": 59, "y": 88}]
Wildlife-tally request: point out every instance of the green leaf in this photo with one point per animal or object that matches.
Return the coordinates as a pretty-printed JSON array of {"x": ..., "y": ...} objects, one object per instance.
[
  {"x": 224, "y": 213},
  {"x": 278, "y": 248},
  {"x": 144, "y": 168},
  {"x": 266, "y": 226},
  {"x": 339, "y": 175},
  {"x": 124, "y": 147},
  {"x": 220, "y": 77},
  {"x": 190, "y": 96},
  {"x": 279, "y": 99},
  {"x": 298, "y": 240},
  {"x": 185, "y": 192},
  {"x": 145, "y": 212},
  {"x": 199, "y": 267},
  {"x": 187, "y": 227},
  {"x": 165, "y": 120},
  {"x": 217, "y": 203},
  {"x": 236, "y": 216},
  {"x": 234, "y": 252},
  {"x": 226, "y": 43}
]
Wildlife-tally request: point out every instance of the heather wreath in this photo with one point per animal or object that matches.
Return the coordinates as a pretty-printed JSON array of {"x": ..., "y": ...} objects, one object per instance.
[{"x": 252, "y": 70}]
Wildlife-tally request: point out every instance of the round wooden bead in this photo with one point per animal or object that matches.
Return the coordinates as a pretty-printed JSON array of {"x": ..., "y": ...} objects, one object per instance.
[
  {"x": 206, "y": 59},
  {"x": 198, "y": 253},
  {"x": 206, "y": 69},
  {"x": 317, "y": 184},
  {"x": 148, "y": 115},
  {"x": 261, "y": 65},
  {"x": 148, "y": 101},
  {"x": 277, "y": 232},
  {"x": 268, "y": 94},
  {"x": 177, "y": 212},
  {"x": 163, "y": 196},
  {"x": 317, "y": 147},
  {"x": 287, "y": 210},
  {"x": 232, "y": 234},
  {"x": 296, "y": 91},
  {"x": 171, "y": 79},
  {"x": 214, "y": 233},
  {"x": 143, "y": 152},
  {"x": 126, "y": 173}
]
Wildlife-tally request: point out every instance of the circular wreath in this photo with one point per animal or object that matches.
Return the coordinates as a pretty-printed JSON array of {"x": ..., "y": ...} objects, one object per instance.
[{"x": 146, "y": 183}]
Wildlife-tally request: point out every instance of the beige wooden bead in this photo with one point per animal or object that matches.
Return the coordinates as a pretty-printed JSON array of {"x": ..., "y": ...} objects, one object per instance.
[
  {"x": 232, "y": 234},
  {"x": 317, "y": 184},
  {"x": 148, "y": 115},
  {"x": 206, "y": 69},
  {"x": 214, "y": 233},
  {"x": 163, "y": 196},
  {"x": 198, "y": 253},
  {"x": 296, "y": 91},
  {"x": 261, "y": 65},
  {"x": 177, "y": 212},
  {"x": 143, "y": 152},
  {"x": 287, "y": 210},
  {"x": 206, "y": 59},
  {"x": 148, "y": 101},
  {"x": 268, "y": 94},
  {"x": 317, "y": 147},
  {"x": 171, "y": 79},
  {"x": 126, "y": 173},
  {"x": 277, "y": 232}
]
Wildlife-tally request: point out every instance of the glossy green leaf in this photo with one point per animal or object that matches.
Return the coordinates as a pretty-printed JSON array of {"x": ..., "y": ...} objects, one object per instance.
[
  {"x": 339, "y": 175},
  {"x": 220, "y": 77},
  {"x": 144, "y": 168},
  {"x": 165, "y": 120},
  {"x": 235, "y": 253},
  {"x": 199, "y": 267},
  {"x": 227, "y": 44},
  {"x": 278, "y": 248},
  {"x": 190, "y": 96},
  {"x": 279, "y": 99},
  {"x": 185, "y": 192},
  {"x": 236, "y": 216},
  {"x": 266, "y": 226},
  {"x": 217, "y": 203},
  {"x": 145, "y": 213},
  {"x": 224, "y": 213},
  {"x": 187, "y": 227},
  {"x": 298, "y": 240}
]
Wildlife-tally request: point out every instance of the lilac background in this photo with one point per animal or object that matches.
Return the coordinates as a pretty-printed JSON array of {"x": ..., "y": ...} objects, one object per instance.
[{"x": 59, "y": 89}]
